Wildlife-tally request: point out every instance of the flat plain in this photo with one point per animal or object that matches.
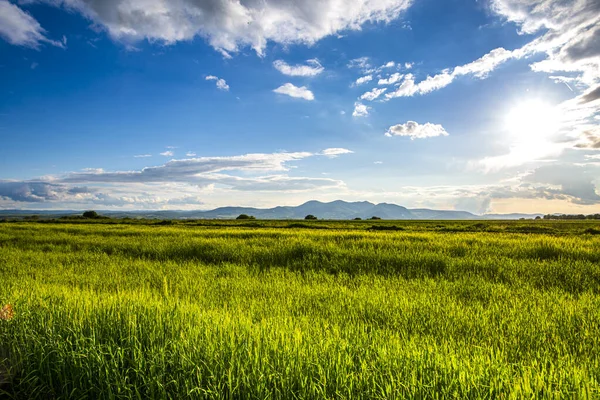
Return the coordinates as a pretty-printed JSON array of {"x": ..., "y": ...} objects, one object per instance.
[{"x": 300, "y": 310}]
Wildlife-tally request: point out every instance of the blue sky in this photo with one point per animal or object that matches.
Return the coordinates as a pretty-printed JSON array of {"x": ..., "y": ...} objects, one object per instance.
[{"x": 484, "y": 106}]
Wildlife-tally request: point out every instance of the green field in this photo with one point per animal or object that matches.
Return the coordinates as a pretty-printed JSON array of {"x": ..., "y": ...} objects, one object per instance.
[{"x": 300, "y": 310}]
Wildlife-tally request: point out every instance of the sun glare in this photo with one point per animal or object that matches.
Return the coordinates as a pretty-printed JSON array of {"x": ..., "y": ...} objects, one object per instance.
[{"x": 532, "y": 121}]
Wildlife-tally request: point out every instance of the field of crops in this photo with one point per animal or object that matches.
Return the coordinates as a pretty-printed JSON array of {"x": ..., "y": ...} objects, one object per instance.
[{"x": 300, "y": 310}]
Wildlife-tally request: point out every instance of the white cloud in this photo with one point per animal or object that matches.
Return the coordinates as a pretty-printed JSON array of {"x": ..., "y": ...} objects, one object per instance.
[
  {"x": 142, "y": 155},
  {"x": 167, "y": 153},
  {"x": 335, "y": 151},
  {"x": 435, "y": 82},
  {"x": 479, "y": 68},
  {"x": 373, "y": 94},
  {"x": 363, "y": 79},
  {"x": 360, "y": 110},
  {"x": 262, "y": 172},
  {"x": 230, "y": 25},
  {"x": 190, "y": 154},
  {"x": 408, "y": 65},
  {"x": 389, "y": 64},
  {"x": 484, "y": 65},
  {"x": 395, "y": 77},
  {"x": 415, "y": 130},
  {"x": 313, "y": 68},
  {"x": 295, "y": 91},
  {"x": 19, "y": 28},
  {"x": 361, "y": 63},
  {"x": 221, "y": 83}
]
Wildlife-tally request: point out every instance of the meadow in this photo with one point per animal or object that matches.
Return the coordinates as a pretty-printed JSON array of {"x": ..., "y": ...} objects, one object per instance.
[{"x": 300, "y": 309}]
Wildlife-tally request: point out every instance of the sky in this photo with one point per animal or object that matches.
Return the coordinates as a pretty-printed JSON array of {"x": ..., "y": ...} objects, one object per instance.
[{"x": 487, "y": 106}]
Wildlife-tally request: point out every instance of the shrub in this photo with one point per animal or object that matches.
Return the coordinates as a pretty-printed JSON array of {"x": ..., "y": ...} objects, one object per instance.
[
  {"x": 245, "y": 216},
  {"x": 90, "y": 214},
  {"x": 374, "y": 217},
  {"x": 310, "y": 216}
]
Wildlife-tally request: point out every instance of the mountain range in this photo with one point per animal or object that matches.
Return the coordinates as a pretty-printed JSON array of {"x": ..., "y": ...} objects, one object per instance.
[{"x": 333, "y": 210}]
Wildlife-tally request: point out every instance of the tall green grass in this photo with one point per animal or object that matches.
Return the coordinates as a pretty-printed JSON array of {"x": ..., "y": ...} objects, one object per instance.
[{"x": 432, "y": 310}]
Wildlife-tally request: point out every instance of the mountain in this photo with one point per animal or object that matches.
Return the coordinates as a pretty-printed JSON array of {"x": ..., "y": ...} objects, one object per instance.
[{"x": 334, "y": 210}]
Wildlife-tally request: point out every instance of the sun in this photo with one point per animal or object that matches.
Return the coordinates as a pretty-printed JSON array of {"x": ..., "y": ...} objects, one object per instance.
[{"x": 532, "y": 121}]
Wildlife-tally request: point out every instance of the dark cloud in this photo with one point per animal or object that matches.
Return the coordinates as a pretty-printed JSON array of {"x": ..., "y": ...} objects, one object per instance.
[
  {"x": 590, "y": 96},
  {"x": 592, "y": 140},
  {"x": 587, "y": 45},
  {"x": 577, "y": 182},
  {"x": 32, "y": 192}
]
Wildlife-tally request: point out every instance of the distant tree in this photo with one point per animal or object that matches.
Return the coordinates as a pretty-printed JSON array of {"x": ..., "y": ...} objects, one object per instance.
[
  {"x": 90, "y": 214},
  {"x": 310, "y": 216},
  {"x": 358, "y": 219},
  {"x": 374, "y": 217},
  {"x": 538, "y": 217},
  {"x": 245, "y": 216}
]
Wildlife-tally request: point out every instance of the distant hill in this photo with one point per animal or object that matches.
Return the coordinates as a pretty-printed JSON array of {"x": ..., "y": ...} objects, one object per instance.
[{"x": 333, "y": 210}]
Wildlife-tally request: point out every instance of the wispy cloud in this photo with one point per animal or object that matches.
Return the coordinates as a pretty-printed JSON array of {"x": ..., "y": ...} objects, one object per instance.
[
  {"x": 167, "y": 153},
  {"x": 312, "y": 68},
  {"x": 19, "y": 28},
  {"x": 142, "y": 155},
  {"x": 335, "y": 152}
]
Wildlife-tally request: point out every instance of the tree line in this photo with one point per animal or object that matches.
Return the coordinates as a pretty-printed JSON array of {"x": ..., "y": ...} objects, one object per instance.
[{"x": 571, "y": 216}]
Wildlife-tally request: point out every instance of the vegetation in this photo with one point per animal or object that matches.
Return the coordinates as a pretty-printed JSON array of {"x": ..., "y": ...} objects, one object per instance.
[
  {"x": 90, "y": 214},
  {"x": 330, "y": 309},
  {"x": 245, "y": 216},
  {"x": 565, "y": 216},
  {"x": 310, "y": 216}
]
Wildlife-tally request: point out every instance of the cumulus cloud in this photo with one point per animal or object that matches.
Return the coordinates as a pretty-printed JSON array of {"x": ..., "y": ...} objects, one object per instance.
[
  {"x": 19, "y": 28},
  {"x": 312, "y": 68},
  {"x": 291, "y": 90},
  {"x": 571, "y": 34},
  {"x": 363, "y": 79},
  {"x": 415, "y": 130},
  {"x": 37, "y": 191},
  {"x": 373, "y": 94},
  {"x": 221, "y": 83},
  {"x": 230, "y": 25},
  {"x": 360, "y": 110}
]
